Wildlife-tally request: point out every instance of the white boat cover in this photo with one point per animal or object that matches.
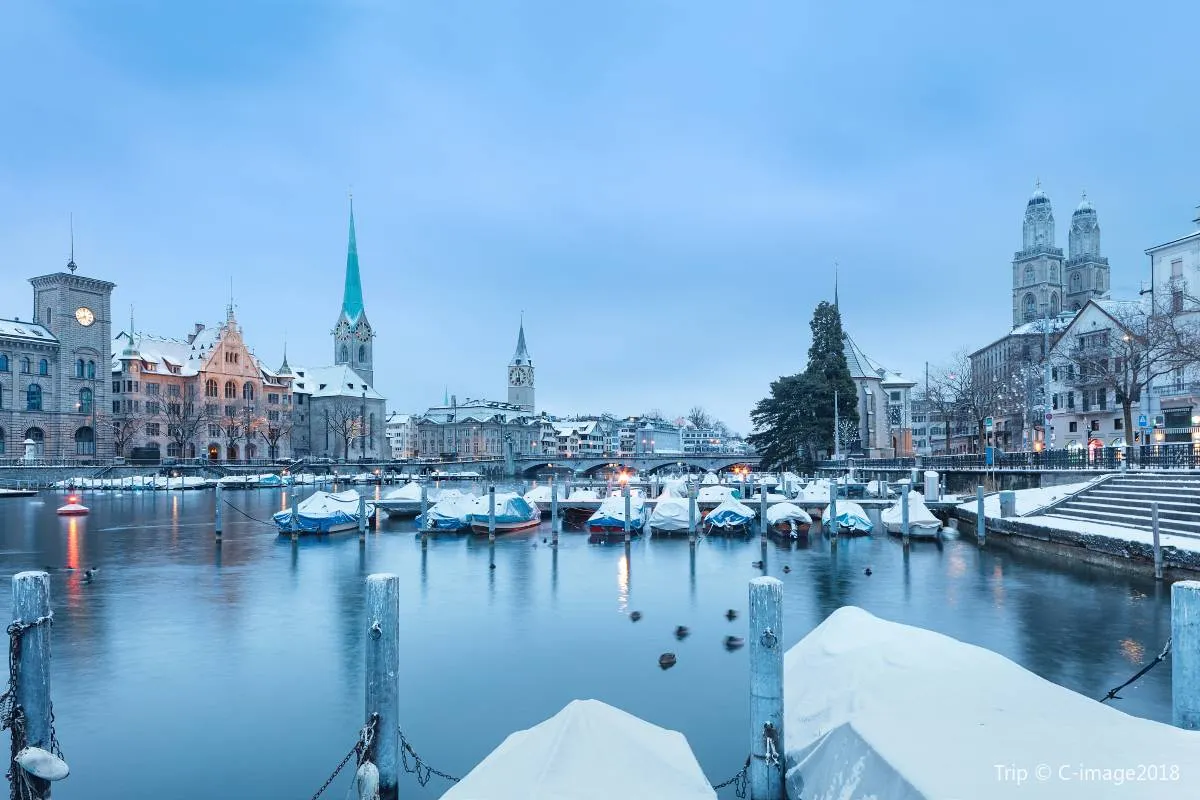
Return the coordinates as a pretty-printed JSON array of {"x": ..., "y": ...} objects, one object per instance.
[
  {"x": 875, "y": 488},
  {"x": 787, "y": 511},
  {"x": 510, "y": 507},
  {"x": 730, "y": 514},
  {"x": 670, "y": 514},
  {"x": 714, "y": 494},
  {"x": 815, "y": 492},
  {"x": 709, "y": 479},
  {"x": 584, "y": 494},
  {"x": 588, "y": 751},
  {"x": 918, "y": 513},
  {"x": 327, "y": 504},
  {"x": 541, "y": 495},
  {"x": 850, "y": 515},
  {"x": 452, "y": 505},
  {"x": 409, "y": 491},
  {"x": 676, "y": 487},
  {"x": 612, "y": 510}
]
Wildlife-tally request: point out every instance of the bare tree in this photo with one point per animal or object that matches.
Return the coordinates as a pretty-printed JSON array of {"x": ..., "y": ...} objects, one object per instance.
[
  {"x": 125, "y": 428},
  {"x": 344, "y": 418},
  {"x": 184, "y": 418},
  {"x": 699, "y": 417},
  {"x": 962, "y": 397},
  {"x": 272, "y": 431}
]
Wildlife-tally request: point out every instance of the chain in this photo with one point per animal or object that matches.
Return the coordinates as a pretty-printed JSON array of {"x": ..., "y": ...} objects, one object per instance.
[
  {"x": 248, "y": 516},
  {"x": 738, "y": 781},
  {"x": 366, "y": 738},
  {"x": 1112, "y": 693},
  {"x": 12, "y": 716},
  {"x": 419, "y": 768}
]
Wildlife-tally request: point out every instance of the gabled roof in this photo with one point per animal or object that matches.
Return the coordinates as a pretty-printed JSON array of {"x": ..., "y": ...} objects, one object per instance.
[
  {"x": 189, "y": 357},
  {"x": 336, "y": 381},
  {"x": 29, "y": 331},
  {"x": 859, "y": 364}
]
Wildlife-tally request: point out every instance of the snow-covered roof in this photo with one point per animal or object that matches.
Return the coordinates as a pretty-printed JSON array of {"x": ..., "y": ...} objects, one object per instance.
[
  {"x": 29, "y": 331},
  {"x": 480, "y": 410},
  {"x": 336, "y": 381},
  {"x": 188, "y": 357},
  {"x": 860, "y": 364},
  {"x": 396, "y": 418},
  {"x": 1036, "y": 326}
]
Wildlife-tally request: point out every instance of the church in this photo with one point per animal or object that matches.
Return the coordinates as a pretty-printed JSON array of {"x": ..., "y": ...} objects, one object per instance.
[{"x": 337, "y": 413}]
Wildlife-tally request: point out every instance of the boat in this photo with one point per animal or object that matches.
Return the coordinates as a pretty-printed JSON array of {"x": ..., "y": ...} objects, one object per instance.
[
  {"x": 671, "y": 515},
  {"x": 73, "y": 508},
  {"x": 788, "y": 519},
  {"x": 269, "y": 480},
  {"x": 714, "y": 495},
  {"x": 576, "y": 516},
  {"x": 674, "y": 487},
  {"x": 512, "y": 513},
  {"x": 324, "y": 512},
  {"x": 879, "y": 489},
  {"x": 540, "y": 496},
  {"x": 851, "y": 519},
  {"x": 729, "y": 517},
  {"x": 405, "y": 501},
  {"x": 238, "y": 482},
  {"x": 608, "y": 523},
  {"x": 922, "y": 524},
  {"x": 452, "y": 512}
]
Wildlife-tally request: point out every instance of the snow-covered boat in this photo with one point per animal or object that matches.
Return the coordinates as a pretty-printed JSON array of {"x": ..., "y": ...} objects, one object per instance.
[
  {"x": 269, "y": 480},
  {"x": 671, "y": 515},
  {"x": 452, "y": 512},
  {"x": 576, "y": 515},
  {"x": 922, "y": 524},
  {"x": 405, "y": 501},
  {"x": 714, "y": 495},
  {"x": 512, "y": 513},
  {"x": 730, "y": 516},
  {"x": 788, "y": 519},
  {"x": 851, "y": 519},
  {"x": 540, "y": 496},
  {"x": 238, "y": 482},
  {"x": 609, "y": 520},
  {"x": 324, "y": 512}
]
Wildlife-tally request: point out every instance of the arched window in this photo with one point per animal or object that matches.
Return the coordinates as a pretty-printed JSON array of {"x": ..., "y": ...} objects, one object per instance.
[
  {"x": 1075, "y": 282},
  {"x": 85, "y": 442},
  {"x": 33, "y": 398},
  {"x": 230, "y": 390},
  {"x": 1054, "y": 304},
  {"x": 345, "y": 355},
  {"x": 174, "y": 450},
  {"x": 210, "y": 388},
  {"x": 2, "y": 441},
  {"x": 39, "y": 441},
  {"x": 1030, "y": 307},
  {"x": 85, "y": 401},
  {"x": 25, "y": 365},
  {"x": 3, "y": 363},
  {"x": 91, "y": 369},
  {"x": 79, "y": 368},
  {"x": 248, "y": 391},
  {"x": 1028, "y": 274},
  {"x": 251, "y": 451},
  {"x": 362, "y": 353},
  {"x": 43, "y": 367},
  {"x": 1054, "y": 273}
]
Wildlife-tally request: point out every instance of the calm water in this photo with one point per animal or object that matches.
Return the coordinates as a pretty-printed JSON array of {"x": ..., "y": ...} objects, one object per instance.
[{"x": 191, "y": 671}]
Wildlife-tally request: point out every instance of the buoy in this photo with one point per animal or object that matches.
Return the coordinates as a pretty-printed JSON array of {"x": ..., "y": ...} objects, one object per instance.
[
  {"x": 681, "y": 632},
  {"x": 42, "y": 764},
  {"x": 731, "y": 615},
  {"x": 635, "y": 615},
  {"x": 666, "y": 660},
  {"x": 734, "y": 642},
  {"x": 366, "y": 782},
  {"x": 73, "y": 508}
]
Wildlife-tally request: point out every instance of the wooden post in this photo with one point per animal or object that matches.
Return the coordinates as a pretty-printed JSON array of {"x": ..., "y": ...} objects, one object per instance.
[
  {"x": 424, "y": 498},
  {"x": 1185, "y": 655},
  {"x": 904, "y": 515},
  {"x": 831, "y": 509},
  {"x": 692, "y": 514},
  {"x": 31, "y": 606},
  {"x": 491, "y": 513},
  {"x": 554, "y": 521},
  {"x": 362, "y": 517},
  {"x": 980, "y": 520},
  {"x": 383, "y": 678},
  {"x": 744, "y": 487},
  {"x": 628, "y": 503},
  {"x": 295, "y": 520},
  {"x": 218, "y": 520},
  {"x": 1158, "y": 564},
  {"x": 762, "y": 510},
  {"x": 766, "y": 689}
]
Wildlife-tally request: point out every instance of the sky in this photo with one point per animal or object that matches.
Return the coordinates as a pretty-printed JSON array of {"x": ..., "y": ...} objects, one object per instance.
[{"x": 662, "y": 186}]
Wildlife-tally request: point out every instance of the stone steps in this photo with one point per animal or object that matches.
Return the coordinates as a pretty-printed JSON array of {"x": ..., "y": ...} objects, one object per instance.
[{"x": 1125, "y": 500}]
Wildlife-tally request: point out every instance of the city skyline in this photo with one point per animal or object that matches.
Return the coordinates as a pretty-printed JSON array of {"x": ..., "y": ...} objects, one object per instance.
[{"x": 665, "y": 204}]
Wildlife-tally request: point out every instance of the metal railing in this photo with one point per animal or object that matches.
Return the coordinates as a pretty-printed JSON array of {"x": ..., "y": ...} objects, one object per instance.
[{"x": 1182, "y": 455}]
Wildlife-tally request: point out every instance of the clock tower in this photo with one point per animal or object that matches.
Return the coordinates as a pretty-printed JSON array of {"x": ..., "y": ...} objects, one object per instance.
[
  {"x": 353, "y": 338},
  {"x": 520, "y": 375}
]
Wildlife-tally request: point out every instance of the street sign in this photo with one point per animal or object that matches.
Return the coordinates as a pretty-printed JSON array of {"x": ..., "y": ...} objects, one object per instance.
[
  {"x": 1049, "y": 416},
  {"x": 991, "y": 455},
  {"x": 1160, "y": 421},
  {"x": 1143, "y": 421},
  {"x": 988, "y": 423}
]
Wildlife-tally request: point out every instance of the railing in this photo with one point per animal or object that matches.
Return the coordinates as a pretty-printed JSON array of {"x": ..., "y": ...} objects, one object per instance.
[
  {"x": 1176, "y": 390},
  {"x": 1152, "y": 456}
]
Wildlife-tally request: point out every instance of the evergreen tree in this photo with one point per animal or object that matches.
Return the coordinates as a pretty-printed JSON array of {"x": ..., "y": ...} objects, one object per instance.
[{"x": 827, "y": 365}]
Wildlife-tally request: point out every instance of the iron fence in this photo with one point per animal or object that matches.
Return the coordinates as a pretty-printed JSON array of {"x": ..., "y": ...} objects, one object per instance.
[{"x": 1151, "y": 456}]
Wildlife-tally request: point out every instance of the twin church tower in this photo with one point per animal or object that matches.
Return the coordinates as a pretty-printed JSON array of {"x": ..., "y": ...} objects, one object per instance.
[{"x": 354, "y": 339}]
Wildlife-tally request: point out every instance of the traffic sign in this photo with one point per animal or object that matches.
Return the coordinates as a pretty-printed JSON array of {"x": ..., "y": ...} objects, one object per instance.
[
  {"x": 988, "y": 423},
  {"x": 1143, "y": 421},
  {"x": 1049, "y": 416}
]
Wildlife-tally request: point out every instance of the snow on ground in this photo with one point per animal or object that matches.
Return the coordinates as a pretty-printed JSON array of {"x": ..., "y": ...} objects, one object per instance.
[
  {"x": 1028, "y": 500},
  {"x": 875, "y": 710},
  {"x": 1112, "y": 531}
]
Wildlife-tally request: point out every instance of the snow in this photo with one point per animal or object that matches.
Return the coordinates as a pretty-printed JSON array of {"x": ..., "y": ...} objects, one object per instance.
[
  {"x": 323, "y": 504},
  {"x": 409, "y": 491},
  {"x": 1028, "y": 500},
  {"x": 815, "y": 492},
  {"x": 714, "y": 494},
  {"x": 876, "y": 710},
  {"x": 785, "y": 511},
  {"x": 670, "y": 514},
  {"x": 674, "y": 488},
  {"x": 730, "y": 514},
  {"x": 918, "y": 513},
  {"x": 1111, "y": 530},
  {"x": 588, "y": 751},
  {"x": 540, "y": 494}
]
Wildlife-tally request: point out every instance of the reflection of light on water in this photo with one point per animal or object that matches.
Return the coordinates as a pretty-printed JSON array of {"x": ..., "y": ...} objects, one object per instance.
[
  {"x": 998, "y": 584},
  {"x": 622, "y": 583},
  {"x": 283, "y": 501},
  {"x": 1133, "y": 651},
  {"x": 956, "y": 567},
  {"x": 73, "y": 543},
  {"x": 175, "y": 507}
]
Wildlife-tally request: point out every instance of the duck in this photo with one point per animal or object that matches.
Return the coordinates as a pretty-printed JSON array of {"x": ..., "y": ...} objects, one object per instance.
[
  {"x": 666, "y": 660},
  {"x": 681, "y": 632},
  {"x": 89, "y": 573},
  {"x": 786, "y": 568},
  {"x": 491, "y": 566},
  {"x": 867, "y": 572},
  {"x": 731, "y": 615},
  {"x": 756, "y": 564},
  {"x": 734, "y": 642},
  {"x": 635, "y": 615}
]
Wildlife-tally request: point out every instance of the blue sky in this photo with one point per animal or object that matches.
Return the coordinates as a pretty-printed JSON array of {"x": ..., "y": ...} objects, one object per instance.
[{"x": 662, "y": 187}]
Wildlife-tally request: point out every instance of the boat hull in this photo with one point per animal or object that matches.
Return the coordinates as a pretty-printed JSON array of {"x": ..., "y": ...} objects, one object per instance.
[
  {"x": 399, "y": 509},
  {"x": 599, "y": 534},
  {"x": 790, "y": 529},
  {"x": 924, "y": 530},
  {"x": 480, "y": 528},
  {"x": 657, "y": 531}
]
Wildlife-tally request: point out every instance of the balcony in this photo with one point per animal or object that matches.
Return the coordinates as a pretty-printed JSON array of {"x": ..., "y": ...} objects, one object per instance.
[{"x": 1178, "y": 389}]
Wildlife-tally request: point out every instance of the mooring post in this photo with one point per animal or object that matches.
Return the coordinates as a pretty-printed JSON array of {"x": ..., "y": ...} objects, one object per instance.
[
  {"x": 980, "y": 520},
  {"x": 831, "y": 509},
  {"x": 904, "y": 515},
  {"x": 744, "y": 497},
  {"x": 554, "y": 509},
  {"x": 218, "y": 518},
  {"x": 628, "y": 503},
  {"x": 383, "y": 678},
  {"x": 31, "y": 611},
  {"x": 1158, "y": 567},
  {"x": 491, "y": 513},
  {"x": 1185, "y": 655},
  {"x": 294, "y": 525},
  {"x": 691, "y": 514},
  {"x": 424, "y": 498},
  {"x": 762, "y": 511},
  {"x": 766, "y": 689},
  {"x": 362, "y": 517}
]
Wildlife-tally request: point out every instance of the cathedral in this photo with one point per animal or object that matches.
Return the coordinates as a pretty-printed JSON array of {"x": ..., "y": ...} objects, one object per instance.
[{"x": 1044, "y": 283}]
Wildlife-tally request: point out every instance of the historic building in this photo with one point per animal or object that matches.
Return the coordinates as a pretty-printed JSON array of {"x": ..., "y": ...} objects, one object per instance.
[
  {"x": 203, "y": 396},
  {"x": 53, "y": 386},
  {"x": 520, "y": 375},
  {"x": 401, "y": 432},
  {"x": 883, "y": 403},
  {"x": 1175, "y": 287},
  {"x": 338, "y": 413}
]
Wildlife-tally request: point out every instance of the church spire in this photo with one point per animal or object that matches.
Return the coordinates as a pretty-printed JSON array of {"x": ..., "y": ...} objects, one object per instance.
[
  {"x": 522, "y": 354},
  {"x": 835, "y": 276},
  {"x": 352, "y": 300},
  {"x": 71, "y": 265},
  {"x": 284, "y": 369}
]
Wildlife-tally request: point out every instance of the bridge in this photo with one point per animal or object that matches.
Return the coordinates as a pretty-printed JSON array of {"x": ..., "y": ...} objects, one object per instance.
[{"x": 529, "y": 465}]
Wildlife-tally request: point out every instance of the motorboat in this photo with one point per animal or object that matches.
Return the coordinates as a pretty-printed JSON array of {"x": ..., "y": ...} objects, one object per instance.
[
  {"x": 788, "y": 519},
  {"x": 671, "y": 515},
  {"x": 922, "y": 524},
  {"x": 608, "y": 523},
  {"x": 73, "y": 508},
  {"x": 405, "y": 501},
  {"x": 851, "y": 519},
  {"x": 714, "y": 495},
  {"x": 512, "y": 513},
  {"x": 540, "y": 496},
  {"x": 452, "y": 512},
  {"x": 730, "y": 516},
  {"x": 324, "y": 512},
  {"x": 579, "y": 507}
]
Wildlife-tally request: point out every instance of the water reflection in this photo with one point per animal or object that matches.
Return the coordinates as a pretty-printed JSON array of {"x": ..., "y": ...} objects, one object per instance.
[{"x": 623, "y": 583}]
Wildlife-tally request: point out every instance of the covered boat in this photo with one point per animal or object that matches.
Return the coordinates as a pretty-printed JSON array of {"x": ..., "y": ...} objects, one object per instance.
[
  {"x": 730, "y": 516},
  {"x": 922, "y": 524},
  {"x": 714, "y": 494},
  {"x": 674, "y": 487},
  {"x": 577, "y": 515},
  {"x": 324, "y": 512},
  {"x": 788, "y": 519},
  {"x": 851, "y": 519},
  {"x": 671, "y": 515},
  {"x": 512, "y": 513},
  {"x": 609, "y": 520},
  {"x": 405, "y": 501},
  {"x": 268, "y": 480},
  {"x": 452, "y": 512},
  {"x": 540, "y": 496}
]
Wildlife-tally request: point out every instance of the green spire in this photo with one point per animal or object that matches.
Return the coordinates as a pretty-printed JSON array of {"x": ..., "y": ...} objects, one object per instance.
[{"x": 352, "y": 300}]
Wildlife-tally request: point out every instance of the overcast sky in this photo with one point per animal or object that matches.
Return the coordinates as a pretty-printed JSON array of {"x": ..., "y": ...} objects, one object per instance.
[{"x": 663, "y": 187}]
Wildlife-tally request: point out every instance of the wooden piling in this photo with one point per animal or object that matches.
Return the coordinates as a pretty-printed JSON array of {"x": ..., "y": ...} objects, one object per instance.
[
  {"x": 766, "y": 689},
  {"x": 762, "y": 511},
  {"x": 383, "y": 683},
  {"x": 294, "y": 522},
  {"x": 218, "y": 525},
  {"x": 1158, "y": 564},
  {"x": 424, "y": 498},
  {"x": 491, "y": 513},
  {"x": 1185, "y": 655},
  {"x": 31, "y": 606},
  {"x": 362, "y": 517},
  {"x": 980, "y": 519},
  {"x": 628, "y": 503},
  {"x": 831, "y": 510},
  {"x": 904, "y": 515},
  {"x": 692, "y": 514}
]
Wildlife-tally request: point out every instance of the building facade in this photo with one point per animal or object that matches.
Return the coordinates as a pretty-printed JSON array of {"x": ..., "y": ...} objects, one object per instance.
[
  {"x": 482, "y": 428},
  {"x": 884, "y": 423},
  {"x": 53, "y": 382},
  {"x": 1175, "y": 286},
  {"x": 402, "y": 435}
]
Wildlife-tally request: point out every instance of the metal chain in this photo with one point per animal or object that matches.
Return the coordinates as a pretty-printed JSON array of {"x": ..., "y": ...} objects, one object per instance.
[
  {"x": 248, "y": 516},
  {"x": 12, "y": 716},
  {"x": 366, "y": 736},
  {"x": 419, "y": 768},
  {"x": 738, "y": 781},
  {"x": 1112, "y": 693}
]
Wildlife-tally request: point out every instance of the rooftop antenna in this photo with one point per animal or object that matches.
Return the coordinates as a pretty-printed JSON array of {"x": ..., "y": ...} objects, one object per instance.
[{"x": 71, "y": 265}]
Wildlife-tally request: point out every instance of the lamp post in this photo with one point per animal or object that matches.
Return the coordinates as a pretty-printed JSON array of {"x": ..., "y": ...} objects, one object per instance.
[{"x": 363, "y": 424}]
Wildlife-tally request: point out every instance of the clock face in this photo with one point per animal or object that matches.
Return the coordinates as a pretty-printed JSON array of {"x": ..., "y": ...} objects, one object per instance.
[
  {"x": 84, "y": 316},
  {"x": 514, "y": 376}
]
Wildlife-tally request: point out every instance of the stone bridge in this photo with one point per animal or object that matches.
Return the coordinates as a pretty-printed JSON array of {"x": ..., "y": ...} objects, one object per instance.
[{"x": 527, "y": 466}]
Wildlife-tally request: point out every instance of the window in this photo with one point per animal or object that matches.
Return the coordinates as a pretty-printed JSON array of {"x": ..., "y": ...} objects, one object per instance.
[
  {"x": 152, "y": 407},
  {"x": 33, "y": 398},
  {"x": 172, "y": 390},
  {"x": 273, "y": 399},
  {"x": 1118, "y": 424},
  {"x": 230, "y": 390},
  {"x": 299, "y": 399},
  {"x": 1054, "y": 401},
  {"x": 85, "y": 401},
  {"x": 210, "y": 388},
  {"x": 152, "y": 389},
  {"x": 152, "y": 429},
  {"x": 248, "y": 391},
  {"x": 1070, "y": 400},
  {"x": 230, "y": 411},
  {"x": 1054, "y": 373},
  {"x": 1054, "y": 309},
  {"x": 362, "y": 353},
  {"x": 1095, "y": 425},
  {"x": 116, "y": 387},
  {"x": 79, "y": 368},
  {"x": 116, "y": 406},
  {"x": 1177, "y": 268},
  {"x": 3, "y": 363},
  {"x": 43, "y": 367},
  {"x": 895, "y": 397},
  {"x": 214, "y": 429},
  {"x": 1030, "y": 308},
  {"x": 1177, "y": 300},
  {"x": 345, "y": 355},
  {"x": 174, "y": 450},
  {"x": 1076, "y": 282},
  {"x": 85, "y": 442},
  {"x": 1073, "y": 427},
  {"x": 176, "y": 409},
  {"x": 1028, "y": 274},
  {"x": 273, "y": 416},
  {"x": 25, "y": 365}
]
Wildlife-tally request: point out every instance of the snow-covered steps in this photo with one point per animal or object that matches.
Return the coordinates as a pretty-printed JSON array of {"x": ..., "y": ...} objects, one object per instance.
[
  {"x": 875, "y": 709},
  {"x": 1126, "y": 500}
]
